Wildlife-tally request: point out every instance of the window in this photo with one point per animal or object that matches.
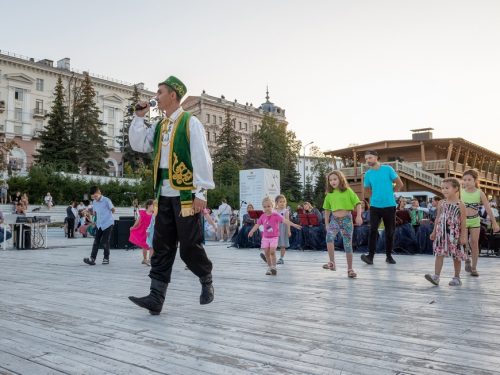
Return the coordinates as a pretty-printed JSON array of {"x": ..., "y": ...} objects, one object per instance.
[
  {"x": 39, "y": 84},
  {"x": 220, "y": 120},
  {"x": 110, "y": 115},
  {"x": 208, "y": 136},
  {"x": 215, "y": 137},
  {"x": 208, "y": 119},
  {"x": 39, "y": 107},
  {"x": 239, "y": 123},
  {"x": 18, "y": 114},
  {"x": 18, "y": 94},
  {"x": 245, "y": 126},
  {"x": 111, "y": 130},
  {"x": 215, "y": 119}
]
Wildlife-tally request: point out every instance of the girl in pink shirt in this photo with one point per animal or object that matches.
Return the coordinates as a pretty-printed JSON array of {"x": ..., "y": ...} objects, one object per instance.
[{"x": 271, "y": 222}]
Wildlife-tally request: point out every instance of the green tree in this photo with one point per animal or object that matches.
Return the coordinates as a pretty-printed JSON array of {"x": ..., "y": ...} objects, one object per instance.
[
  {"x": 228, "y": 156},
  {"x": 254, "y": 156},
  {"x": 291, "y": 177},
  {"x": 280, "y": 148},
  {"x": 320, "y": 170},
  {"x": 56, "y": 145},
  {"x": 91, "y": 149},
  {"x": 134, "y": 160},
  {"x": 308, "y": 193}
]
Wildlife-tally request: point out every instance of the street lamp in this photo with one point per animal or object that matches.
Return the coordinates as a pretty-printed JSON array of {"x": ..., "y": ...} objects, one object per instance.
[{"x": 304, "y": 161}]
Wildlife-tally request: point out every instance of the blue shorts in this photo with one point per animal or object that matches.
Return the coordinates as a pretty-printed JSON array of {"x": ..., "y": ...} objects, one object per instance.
[{"x": 224, "y": 219}]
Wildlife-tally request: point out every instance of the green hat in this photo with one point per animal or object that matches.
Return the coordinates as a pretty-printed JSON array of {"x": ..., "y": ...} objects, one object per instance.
[{"x": 175, "y": 84}]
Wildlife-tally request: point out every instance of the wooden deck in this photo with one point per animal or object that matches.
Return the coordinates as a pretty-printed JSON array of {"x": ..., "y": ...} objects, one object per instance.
[{"x": 60, "y": 316}]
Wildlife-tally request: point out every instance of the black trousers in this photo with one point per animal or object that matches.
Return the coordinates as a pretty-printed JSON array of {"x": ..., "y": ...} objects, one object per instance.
[
  {"x": 388, "y": 215},
  {"x": 71, "y": 227},
  {"x": 103, "y": 236},
  {"x": 171, "y": 228}
]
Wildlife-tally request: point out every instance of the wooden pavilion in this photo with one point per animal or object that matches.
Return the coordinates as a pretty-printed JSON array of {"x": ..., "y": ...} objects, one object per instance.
[{"x": 422, "y": 162}]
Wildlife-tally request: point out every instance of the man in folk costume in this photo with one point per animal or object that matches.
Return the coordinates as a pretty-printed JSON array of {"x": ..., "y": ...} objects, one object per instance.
[{"x": 182, "y": 174}]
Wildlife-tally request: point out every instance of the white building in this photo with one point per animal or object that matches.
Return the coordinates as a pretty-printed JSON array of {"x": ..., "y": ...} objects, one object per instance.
[
  {"x": 26, "y": 95},
  {"x": 211, "y": 111},
  {"x": 307, "y": 167}
]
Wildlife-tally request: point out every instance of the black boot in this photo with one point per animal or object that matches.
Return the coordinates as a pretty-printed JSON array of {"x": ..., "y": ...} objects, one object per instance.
[
  {"x": 154, "y": 301},
  {"x": 207, "y": 290}
]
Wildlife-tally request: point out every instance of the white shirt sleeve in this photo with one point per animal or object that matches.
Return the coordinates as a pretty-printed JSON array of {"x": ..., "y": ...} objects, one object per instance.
[
  {"x": 140, "y": 136},
  {"x": 200, "y": 158}
]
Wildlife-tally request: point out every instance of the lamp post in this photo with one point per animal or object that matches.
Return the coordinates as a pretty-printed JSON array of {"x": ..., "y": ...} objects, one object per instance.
[{"x": 304, "y": 161}]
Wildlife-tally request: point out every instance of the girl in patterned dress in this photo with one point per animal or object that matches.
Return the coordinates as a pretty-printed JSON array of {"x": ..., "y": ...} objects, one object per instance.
[
  {"x": 285, "y": 231},
  {"x": 450, "y": 232}
]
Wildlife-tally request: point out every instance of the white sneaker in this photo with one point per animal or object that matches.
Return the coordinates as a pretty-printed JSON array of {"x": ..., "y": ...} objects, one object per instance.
[
  {"x": 455, "y": 282},
  {"x": 221, "y": 240},
  {"x": 434, "y": 279}
]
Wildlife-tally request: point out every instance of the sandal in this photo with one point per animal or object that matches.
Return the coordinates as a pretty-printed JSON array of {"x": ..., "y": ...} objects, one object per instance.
[
  {"x": 351, "y": 274},
  {"x": 330, "y": 266},
  {"x": 474, "y": 273}
]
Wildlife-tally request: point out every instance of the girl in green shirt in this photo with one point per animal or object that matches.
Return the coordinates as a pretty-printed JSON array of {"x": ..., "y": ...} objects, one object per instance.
[{"x": 340, "y": 200}]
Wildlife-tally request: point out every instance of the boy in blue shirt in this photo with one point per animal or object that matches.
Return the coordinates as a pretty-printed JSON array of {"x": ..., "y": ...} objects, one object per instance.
[
  {"x": 378, "y": 181},
  {"x": 104, "y": 210}
]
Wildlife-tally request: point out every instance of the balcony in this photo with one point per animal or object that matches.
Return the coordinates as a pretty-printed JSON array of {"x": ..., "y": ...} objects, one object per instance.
[
  {"x": 36, "y": 133},
  {"x": 39, "y": 113}
]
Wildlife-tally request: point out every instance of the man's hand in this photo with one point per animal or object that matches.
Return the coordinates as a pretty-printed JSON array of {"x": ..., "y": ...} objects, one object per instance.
[
  {"x": 142, "y": 112},
  {"x": 199, "y": 205},
  {"x": 359, "y": 220}
]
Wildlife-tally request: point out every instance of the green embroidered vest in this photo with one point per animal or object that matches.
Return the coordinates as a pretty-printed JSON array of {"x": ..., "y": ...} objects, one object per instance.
[{"x": 180, "y": 168}]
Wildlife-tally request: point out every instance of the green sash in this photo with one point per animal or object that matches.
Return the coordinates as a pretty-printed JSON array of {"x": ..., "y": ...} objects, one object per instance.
[{"x": 180, "y": 168}]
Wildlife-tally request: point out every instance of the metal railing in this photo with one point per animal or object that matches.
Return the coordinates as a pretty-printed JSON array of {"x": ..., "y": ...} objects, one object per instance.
[{"x": 39, "y": 112}]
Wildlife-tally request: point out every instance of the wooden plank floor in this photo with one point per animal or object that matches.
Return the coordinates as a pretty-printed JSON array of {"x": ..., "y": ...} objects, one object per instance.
[{"x": 60, "y": 316}]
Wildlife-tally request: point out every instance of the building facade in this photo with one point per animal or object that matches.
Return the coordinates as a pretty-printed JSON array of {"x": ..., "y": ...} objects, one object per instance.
[
  {"x": 247, "y": 118},
  {"x": 26, "y": 95},
  {"x": 307, "y": 167}
]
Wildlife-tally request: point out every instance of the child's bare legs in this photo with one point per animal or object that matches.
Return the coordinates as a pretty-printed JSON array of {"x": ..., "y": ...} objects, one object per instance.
[
  {"x": 331, "y": 251},
  {"x": 349, "y": 260},
  {"x": 282, "y": 251},
  {"x": 438, "y": 265},
  {"x": 144, "y": 255},
  {"x": 272, "y": 253},
  {"x": 457, "y": 265},
  {"x": 474, "y": 245}
]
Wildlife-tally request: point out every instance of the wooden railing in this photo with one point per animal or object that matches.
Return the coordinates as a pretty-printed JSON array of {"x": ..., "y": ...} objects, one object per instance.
[
  {"x": 407, "y": 168},
  {"x": 415, "y": 170},
  {"x": 417, "y": 173},
  {"x": 439, "y": 166}
]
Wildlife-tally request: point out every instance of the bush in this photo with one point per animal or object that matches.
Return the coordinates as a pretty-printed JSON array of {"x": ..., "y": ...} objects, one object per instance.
[{"x": 43, "y": 179}]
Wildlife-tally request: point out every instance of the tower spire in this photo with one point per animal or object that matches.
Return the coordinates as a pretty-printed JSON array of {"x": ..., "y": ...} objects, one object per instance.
[{"x": 267, "y": 94}]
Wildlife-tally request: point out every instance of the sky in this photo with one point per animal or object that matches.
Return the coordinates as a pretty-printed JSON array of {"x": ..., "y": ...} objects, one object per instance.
[{"x": 346, "y": 72}]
